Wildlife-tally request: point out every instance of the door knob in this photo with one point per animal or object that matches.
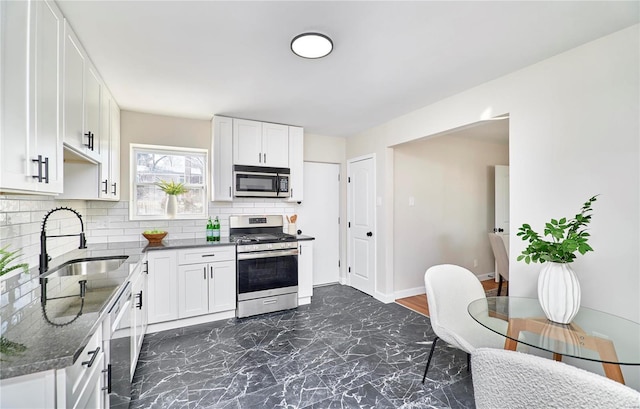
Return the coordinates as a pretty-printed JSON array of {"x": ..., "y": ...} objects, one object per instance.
[{"x": 369, "y": 234}]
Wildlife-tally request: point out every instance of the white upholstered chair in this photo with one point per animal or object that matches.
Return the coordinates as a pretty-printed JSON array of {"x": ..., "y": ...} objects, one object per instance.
[
  {"x": 502, "y": 259},
  {"x": 450, "y": 289},
  {"x": 509, "y": 379}
]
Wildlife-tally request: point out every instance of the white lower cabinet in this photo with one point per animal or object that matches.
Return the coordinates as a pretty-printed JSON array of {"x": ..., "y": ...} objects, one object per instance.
[
  {"x": 208, "y": 287},
  {"x": 190, "y": 282},
  {"x": 162, "y": 283},
  {"x": 138, "y": 310},
  {"x": 80, "y": 385},
  {"x": 305, "y": 270},
  {"x": 36, "y": 390}
]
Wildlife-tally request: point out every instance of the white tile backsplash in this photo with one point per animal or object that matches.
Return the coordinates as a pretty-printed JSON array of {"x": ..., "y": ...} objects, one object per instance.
[{"x": 106, "y": 222}]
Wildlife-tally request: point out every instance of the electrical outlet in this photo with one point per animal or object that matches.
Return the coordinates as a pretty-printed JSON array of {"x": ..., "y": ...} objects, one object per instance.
[
  {"x": 412, "y": 201},
  {"x": 475, "y": 262}
]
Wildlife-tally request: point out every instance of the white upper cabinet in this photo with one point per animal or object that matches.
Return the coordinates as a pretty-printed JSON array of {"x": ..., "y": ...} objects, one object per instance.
[
  {"x": 222, "y": 159},
  {"x": 109, "y": 148},
  {"x": 296, "y": 163},
  {"x": 260, "y": 144},
  {"x": 92, "y": 111},
  {"x": 114, "y": 150},
  {"x": 82, "y": 92},
  {"x": 30, "y": 114},
  {"x": 247, "y": 142},
  {"x": 252, "y": 143},
  {"x": 275, "y": 145}
]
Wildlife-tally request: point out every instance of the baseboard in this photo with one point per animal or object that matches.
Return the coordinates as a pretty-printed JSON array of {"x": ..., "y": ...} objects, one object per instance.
[
  {"x": 304, "y": 300},
  {"x": 488, "y": 276},
  {"x": 185, "y": 322},
  {"x": 409, "y": 292},
  {"x": 387, "y": 299}
]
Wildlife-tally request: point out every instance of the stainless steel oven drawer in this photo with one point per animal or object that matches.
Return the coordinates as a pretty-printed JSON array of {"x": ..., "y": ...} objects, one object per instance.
[{"x": 267, "y": 304}]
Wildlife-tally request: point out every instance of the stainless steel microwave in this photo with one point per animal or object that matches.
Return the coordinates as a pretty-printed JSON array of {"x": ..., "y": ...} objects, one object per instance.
[{"x": 257, "y": 181}]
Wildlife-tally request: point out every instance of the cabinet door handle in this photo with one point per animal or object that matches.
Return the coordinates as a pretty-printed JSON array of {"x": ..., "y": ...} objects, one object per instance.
[
  {"x": 205, "y": 272},
  {"x": 88, "y": 144},
  {"x": 209, "y": 255},
  {"x": 91, "y": 140},
  {"x": 265, "y": 158},
  {"x": 115, "y": 188},
  {"x": 106, "y": 184},
  {"x": 259, "y": 157},
  {"x": 229, "y": 191},
  {"x": 146, "y": 266},
  {"x": 211, "y": 270},
  {"x": 108, "y": 371},
  {"x": 94, "y": 355},
  {"x": 46, "y": 170},
  {"x": 139, "y": 305},
  {"x": 39, "y": 160}
]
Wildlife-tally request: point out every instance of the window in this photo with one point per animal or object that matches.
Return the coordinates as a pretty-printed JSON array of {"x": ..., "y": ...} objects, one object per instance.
[{"x": 151, "y": 164}]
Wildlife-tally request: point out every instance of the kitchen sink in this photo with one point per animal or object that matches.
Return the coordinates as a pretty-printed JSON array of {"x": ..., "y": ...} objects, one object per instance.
[{"x": 87, "y": 266}]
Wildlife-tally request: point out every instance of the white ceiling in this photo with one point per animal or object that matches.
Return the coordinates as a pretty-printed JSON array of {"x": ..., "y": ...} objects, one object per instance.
[{"x": 197, "y": 59}]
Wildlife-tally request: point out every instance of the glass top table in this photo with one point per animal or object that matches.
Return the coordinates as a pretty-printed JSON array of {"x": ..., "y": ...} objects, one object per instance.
[{"x": 593, "y": 335}]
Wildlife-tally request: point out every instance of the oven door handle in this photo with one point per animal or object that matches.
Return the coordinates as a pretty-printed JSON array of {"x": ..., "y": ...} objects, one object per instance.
[{"x": 267, "y": 254}]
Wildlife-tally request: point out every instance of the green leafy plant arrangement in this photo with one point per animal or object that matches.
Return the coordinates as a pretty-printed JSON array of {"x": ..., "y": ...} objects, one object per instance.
[
  {"x": 172, "y": 188},
  {"x": 10, "y": 348},
  {"x": 6, "y": 257},
  {"x": 567, "y": 238}
]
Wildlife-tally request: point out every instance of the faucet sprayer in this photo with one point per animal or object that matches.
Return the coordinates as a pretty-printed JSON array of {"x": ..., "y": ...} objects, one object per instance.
[{"x": 44, "y": 257}]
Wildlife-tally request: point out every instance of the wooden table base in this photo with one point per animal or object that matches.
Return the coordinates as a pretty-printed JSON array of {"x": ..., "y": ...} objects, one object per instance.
[{"x": 569, "y": 333}]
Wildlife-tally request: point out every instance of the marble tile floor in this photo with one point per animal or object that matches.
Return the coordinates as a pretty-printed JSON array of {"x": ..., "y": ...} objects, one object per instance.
[{"x": 345, "y": 350}]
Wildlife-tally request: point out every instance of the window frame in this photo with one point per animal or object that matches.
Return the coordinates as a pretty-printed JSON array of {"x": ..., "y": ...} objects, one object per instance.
[{"x": 134, "y": 148}]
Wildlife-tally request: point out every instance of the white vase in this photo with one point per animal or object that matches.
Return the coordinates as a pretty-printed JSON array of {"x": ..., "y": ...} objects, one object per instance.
[
  {"x": 172, "y": 206},
  {"x": 559, "y": 292}
]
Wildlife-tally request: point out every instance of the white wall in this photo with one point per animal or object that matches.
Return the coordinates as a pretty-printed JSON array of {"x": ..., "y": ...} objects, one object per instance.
[
  {"x": 451, "y": 181},
  {"x": 138, "y": 127},
  {"x": 574, "y": 126}
]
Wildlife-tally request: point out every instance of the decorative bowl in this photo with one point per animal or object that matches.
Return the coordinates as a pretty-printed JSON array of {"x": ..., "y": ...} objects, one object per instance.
[{"x": 155, "y": 238}]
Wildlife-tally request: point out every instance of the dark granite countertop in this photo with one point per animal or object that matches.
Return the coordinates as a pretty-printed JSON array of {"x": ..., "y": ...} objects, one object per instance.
[
  {"x": 43, "y": 343},
  {"x": 169, "y": 244},
  {"x": 302, "y": 237},
  {"x": 48, "y": 346}
]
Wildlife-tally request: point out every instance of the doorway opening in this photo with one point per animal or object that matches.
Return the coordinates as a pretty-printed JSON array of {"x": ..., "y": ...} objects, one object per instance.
[{"x": 444, "y": 202}]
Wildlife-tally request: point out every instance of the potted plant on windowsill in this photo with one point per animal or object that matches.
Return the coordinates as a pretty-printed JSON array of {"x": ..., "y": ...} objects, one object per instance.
[
  {"x": 558, "y": 286},
  {"x": 172, "y": 189}
]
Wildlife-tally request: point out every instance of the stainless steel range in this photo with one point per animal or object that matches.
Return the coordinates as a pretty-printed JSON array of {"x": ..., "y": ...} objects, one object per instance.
[{"x": 267, "y": 264}]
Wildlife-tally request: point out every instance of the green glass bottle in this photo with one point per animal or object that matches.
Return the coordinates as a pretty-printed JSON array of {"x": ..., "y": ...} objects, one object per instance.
[
  {"x": 210, "y": 230},
  {"x": 216, "y": 229}
]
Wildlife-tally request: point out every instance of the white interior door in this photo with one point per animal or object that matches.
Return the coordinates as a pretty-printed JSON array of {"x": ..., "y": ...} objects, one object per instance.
[
  {"x": 502, "y": 203},
  {"x": 361, "y": 224},
  {"x": 318, "y": 217}
]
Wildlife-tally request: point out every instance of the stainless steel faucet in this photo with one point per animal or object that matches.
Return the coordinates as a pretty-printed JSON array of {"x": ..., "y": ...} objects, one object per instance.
[{"x": 44, "y": 257}]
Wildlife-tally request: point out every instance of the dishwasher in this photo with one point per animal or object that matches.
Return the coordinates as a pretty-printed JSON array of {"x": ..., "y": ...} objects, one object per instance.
[{"x": 117, "y": 345}]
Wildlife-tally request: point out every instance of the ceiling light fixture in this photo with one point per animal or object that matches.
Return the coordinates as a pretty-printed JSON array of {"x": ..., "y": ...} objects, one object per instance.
[{"x": 311, "y": 45}]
